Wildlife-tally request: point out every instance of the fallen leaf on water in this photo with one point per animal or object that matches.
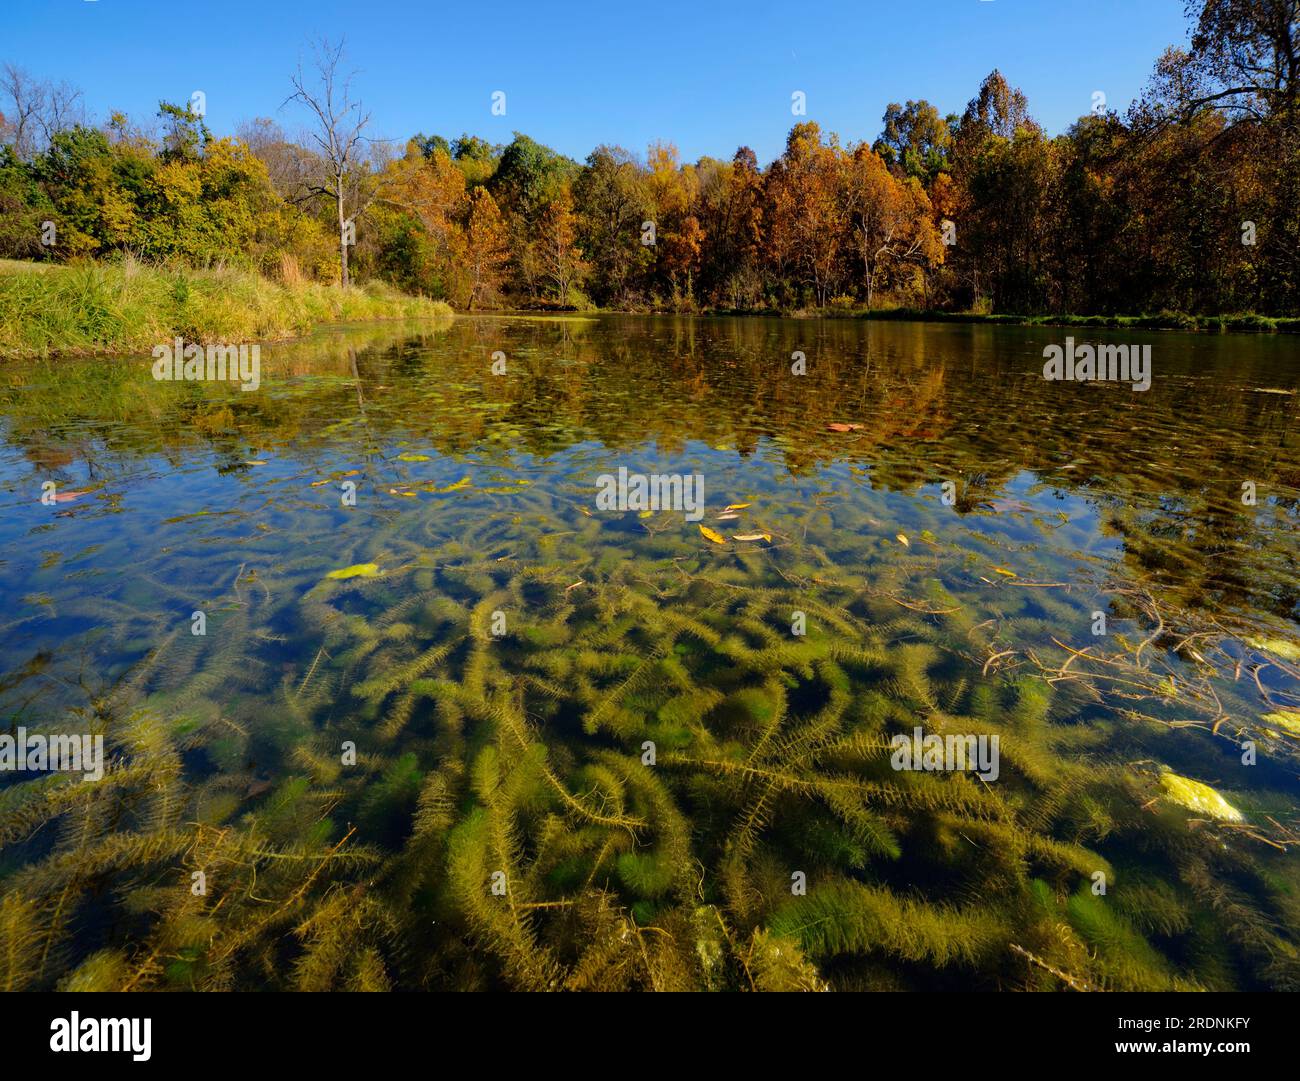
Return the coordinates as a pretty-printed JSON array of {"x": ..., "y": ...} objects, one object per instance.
[
  {"x": 646, "y": 514},
  {"x": 1198, "y": 797},
  {"x": 336, "y": 476},
  {"x": 1288, "y": 651},
  {"x": 394, "y": 491},
  {"x": 1288, "y": 720},
  {"x": 255, "y": 461},
  {"x": 725, "y": 517},
  {"x": 357, "y": 570},
  {"x": 902, "y": 539},
  {"x": 735, "y": 506},
  {"x": 751, "y": 536},
  {"x": 407, "y": 456},
  {"x": 585, "y": 511},
  {"x": 838, "y": 427},
  {"x": 717, "y": 538},
  {"x": 1005, "y": 573},
  {"x": 464, "y": 482},
  {"x": 68, "y": 497}
]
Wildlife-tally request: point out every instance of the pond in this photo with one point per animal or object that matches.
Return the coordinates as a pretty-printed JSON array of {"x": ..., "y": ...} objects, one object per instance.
[{"x": 932, "y": 673}]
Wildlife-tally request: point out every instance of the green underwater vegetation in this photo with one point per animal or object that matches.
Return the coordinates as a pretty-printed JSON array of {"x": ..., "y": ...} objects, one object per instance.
[{"x": 472, "y": 733}]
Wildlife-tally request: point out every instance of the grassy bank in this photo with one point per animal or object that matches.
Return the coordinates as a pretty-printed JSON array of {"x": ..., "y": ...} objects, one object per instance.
[{"x": 123, "y": 308}]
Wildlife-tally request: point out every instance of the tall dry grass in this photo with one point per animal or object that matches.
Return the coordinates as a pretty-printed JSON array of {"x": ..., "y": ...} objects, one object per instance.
[{"x": 131, "y": 307}]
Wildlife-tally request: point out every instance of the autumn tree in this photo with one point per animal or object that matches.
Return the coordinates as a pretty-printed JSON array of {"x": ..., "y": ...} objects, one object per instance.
[
  {"x": 558, "y": 243},
  {"x": 613, "y": 202},
  {"x": 527, "y": 181},
  {"x": 420, "y": 223},
  {"x": 735, "y": 229},
  {"x": 804, "y": 213},
  {"x": 1002, "y": 168},
  {"x": 1188, "y": 201},
  {"x": 487, "y": 247},
  {"x": 890, "y": 219}
]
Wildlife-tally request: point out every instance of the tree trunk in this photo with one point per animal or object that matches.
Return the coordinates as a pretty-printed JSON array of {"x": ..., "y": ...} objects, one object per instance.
[{"x": 343, "y": 241}]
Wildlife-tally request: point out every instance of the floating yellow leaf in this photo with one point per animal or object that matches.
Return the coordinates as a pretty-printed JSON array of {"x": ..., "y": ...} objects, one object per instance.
[
  {"x": 464, "y": 482},
  {"x": 735, "y": 506},
  {"x": 751, "y": 536},
  {"x": 357, "y": 570},
  {"x": 255, "y": 461},
  {"x": 1005, "y": 573},
  {"x": 709, "y": 534},
  {"x": 1198, "y": 797},
  {"x": 1287, "y": 720},
  {"x": 407, "y": 456},
  {"x": 1279, "y": 647},
  {"x": 902, "y": 539},
  {"x": 646, "y": 514},
  {"x": 336, "y": 476}
]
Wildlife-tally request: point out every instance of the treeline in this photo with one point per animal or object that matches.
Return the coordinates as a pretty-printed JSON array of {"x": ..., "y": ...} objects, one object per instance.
[{"x": 1188, "y": 202}]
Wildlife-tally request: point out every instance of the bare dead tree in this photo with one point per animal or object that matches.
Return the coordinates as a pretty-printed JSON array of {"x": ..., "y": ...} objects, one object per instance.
[
  {"x": 341, "y": 171},
  {"x": 32, "y": 110},
  {"x": 290, "y": 166}
]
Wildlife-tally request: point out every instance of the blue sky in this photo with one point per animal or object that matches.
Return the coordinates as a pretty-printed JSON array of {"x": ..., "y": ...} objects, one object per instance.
[{"x": 708, "y": 75}]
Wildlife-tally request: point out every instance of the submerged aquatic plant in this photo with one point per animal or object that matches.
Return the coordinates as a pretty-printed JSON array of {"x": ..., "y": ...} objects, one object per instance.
[{"x": 483, "y": 738}]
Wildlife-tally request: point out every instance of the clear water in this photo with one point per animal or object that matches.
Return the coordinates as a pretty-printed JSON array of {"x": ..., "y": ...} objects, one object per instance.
[{"x": 437, "y": 775}]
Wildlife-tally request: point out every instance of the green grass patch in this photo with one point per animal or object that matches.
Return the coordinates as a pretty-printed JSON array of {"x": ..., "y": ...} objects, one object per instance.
[{"x": 128, "y": 307}]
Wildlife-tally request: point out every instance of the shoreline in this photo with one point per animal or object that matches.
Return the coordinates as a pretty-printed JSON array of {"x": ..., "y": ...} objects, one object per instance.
[
  {"x": 1236, "y": 323},
  {"x": 103, "y": 309}
]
